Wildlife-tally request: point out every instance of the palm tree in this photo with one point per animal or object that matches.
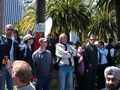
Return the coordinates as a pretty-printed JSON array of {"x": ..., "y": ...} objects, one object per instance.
[
  {"x": 28, "y": 20},
  {"x": 40, "y": 11},
  {"x": 114, "y": 4},
  {"x": 67, "y": 15},
  {"x": 103, "y": 22},
  {"x": 117, "y": 8}
]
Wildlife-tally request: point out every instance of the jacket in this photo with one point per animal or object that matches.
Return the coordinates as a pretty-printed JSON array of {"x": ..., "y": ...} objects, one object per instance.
[{"x": 66, "y": 54}]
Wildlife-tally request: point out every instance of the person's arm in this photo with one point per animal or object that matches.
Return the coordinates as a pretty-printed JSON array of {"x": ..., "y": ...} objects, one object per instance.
[
  {"x": 73, "y": 51},
  {"x": 61, "y": 52},
  {"x": 9, "y": 67},
  {"x": 33, "y": 57},
  {"x": 80, "y": 59},
  {"x": 104, "y": 52}
]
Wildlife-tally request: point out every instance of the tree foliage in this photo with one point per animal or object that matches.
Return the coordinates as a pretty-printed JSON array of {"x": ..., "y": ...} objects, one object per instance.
[{"x": 103, "y": 22}]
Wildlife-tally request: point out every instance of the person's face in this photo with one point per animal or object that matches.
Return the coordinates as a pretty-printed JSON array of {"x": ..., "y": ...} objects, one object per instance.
[
  {"x": 38, "y": 34},
  {"x": 100, "y": 46},
  {"x": 43, "y": 44},
  {"x": 30, "y": 41},
  {"x": 14, "y": 34},
  {"x": 80, "y": 50},
  {"x": 64, "y": 39},
  {"x": 15, "y": 79},
  {"x": 112, "y": 83},
  {"x": 9, "y": 30},
  {"x": 92, "y": 41}
]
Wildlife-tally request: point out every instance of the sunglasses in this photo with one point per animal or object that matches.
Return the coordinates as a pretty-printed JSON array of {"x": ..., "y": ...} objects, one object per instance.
[{"x": 11, "y": 29}]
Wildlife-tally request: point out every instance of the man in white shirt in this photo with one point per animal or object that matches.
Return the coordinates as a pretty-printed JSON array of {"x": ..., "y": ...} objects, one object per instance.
[{"x": 65, "y": 54}]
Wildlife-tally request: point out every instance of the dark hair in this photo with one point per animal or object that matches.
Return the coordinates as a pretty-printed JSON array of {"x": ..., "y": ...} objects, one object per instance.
[
  {"x": 110, "y": 40},
  {"x": 101, "y": 42},
  {"x": 16, "y": 31},
  {"x": 17, "y": 38}
]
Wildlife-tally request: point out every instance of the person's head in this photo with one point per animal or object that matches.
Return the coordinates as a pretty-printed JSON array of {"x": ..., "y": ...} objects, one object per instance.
[
  {"x": 112, "y": 76},
  {"x": 9, "y": 30},
  {"x": 110, "y": 40},
  {"x": 39, "y": 34},
  {"x": 29, "y": 39},
  {"x": 21, "y": 72},
  {"x": 63, "y": 38},
  {"x": 16, "y": 33},
  {"x": 80, "y": 49},
  {"x": 92, "y": 39},
  {"x": 43, "y": 42},
  {"x": 101, "y": 44},
  {"x": 29, "y": 32}
]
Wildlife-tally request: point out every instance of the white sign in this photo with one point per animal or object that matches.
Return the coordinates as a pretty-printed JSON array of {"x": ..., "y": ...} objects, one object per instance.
[
  {"x": 48, "y": 26},
  {"x": 73, "y": 37},
  {"x": 40, "y": 27}
]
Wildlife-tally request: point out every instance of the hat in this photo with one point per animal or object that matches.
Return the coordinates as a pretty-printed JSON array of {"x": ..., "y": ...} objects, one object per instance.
[
  {"x": 42, "y": 39},
  {"x": 112, "y": 70},
  {"x": 92, "y": 37},
  {"x": 27, "y": 37}
]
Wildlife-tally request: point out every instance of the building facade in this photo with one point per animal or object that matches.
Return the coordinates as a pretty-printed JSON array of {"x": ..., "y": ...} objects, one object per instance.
[
  {"x": 11, "y": 11},
  {"x": 1, "y": 13}
]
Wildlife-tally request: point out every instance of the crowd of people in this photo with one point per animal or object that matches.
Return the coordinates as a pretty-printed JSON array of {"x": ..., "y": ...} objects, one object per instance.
[{"x": 30, "y": 59}]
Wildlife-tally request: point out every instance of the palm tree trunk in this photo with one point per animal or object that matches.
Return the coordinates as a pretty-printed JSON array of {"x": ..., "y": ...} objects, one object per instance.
[
  {"x": 40, "y": 16},
  {"x": 117, "y": 8},
  {"x": 40, "y": 11}
]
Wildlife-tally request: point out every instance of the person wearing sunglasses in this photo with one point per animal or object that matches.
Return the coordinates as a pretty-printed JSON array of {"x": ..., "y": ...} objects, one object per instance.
[
  {"x": 12, "y": 52},
  {"x": 91, "y": 61}
]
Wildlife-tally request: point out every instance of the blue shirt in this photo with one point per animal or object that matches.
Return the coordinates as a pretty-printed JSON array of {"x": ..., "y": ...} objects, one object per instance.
[
  {"x": 104, "y": 53},
  {"x": 43, "y": 61}
]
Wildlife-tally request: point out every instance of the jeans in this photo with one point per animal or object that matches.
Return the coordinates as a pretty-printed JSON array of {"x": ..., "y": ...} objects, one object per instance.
[
  {"x": 43, "y": 83},
  {"x": 6, "y": 79},
  {"x": 65, "y": 78}
]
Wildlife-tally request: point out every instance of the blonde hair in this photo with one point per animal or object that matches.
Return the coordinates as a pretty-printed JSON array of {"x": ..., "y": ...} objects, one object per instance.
[{"x": 60, "y": 37}]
